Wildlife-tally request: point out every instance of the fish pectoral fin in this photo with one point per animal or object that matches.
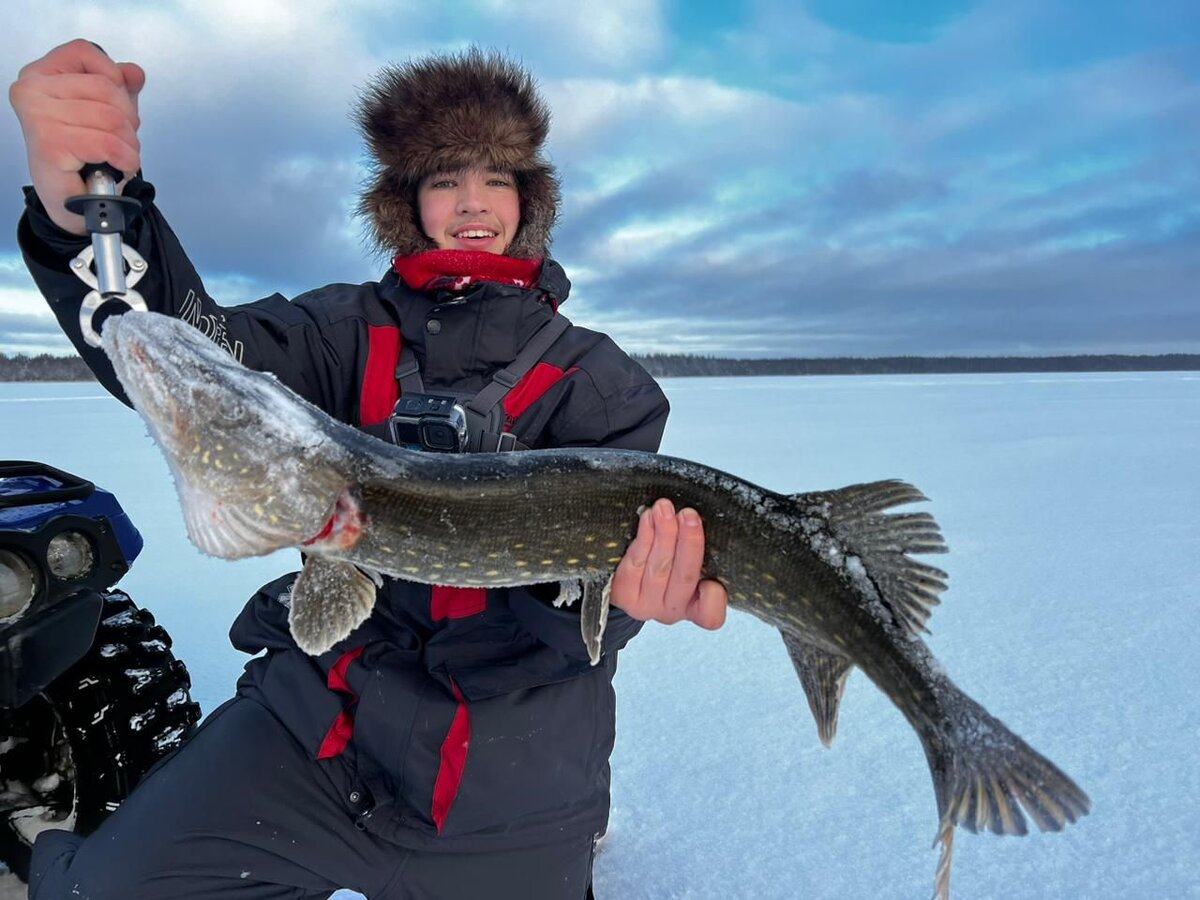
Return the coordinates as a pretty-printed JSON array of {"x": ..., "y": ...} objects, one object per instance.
[
  {"x": 569, "y": 592},
  {"x": 329, "y": 600},
  {"x": 823, "y": 676},
  {"x": 907, "y": 588},
  {"x": 375, "y": 576},
  {"x": 593, "y": 597},
  {"x": 593, "y": 615}
]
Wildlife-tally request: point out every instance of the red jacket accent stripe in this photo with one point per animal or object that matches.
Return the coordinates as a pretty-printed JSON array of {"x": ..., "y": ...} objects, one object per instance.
[
  {"x": 337, "y": 673},
  {"x": 457, "y": 602},
  {"x": 342, "y": 729},
  {"x": 338, "y": 736},
  {"x": 379, "y": 388},
  {"x": 453, "y": 761},
  {"x": 529, "y": 389}
]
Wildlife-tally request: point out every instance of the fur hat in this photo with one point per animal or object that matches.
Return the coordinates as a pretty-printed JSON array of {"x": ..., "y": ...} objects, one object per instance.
[{"x": 446, "y": 112}]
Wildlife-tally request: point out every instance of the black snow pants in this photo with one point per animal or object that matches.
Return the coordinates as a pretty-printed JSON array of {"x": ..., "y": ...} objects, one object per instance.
[{"x": 241, "y": 812}]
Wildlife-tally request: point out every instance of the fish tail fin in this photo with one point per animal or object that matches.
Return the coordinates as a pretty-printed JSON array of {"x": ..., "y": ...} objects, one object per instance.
[
  {"x": 985, "y": 777},
  {"x": 941, "y": 878}
]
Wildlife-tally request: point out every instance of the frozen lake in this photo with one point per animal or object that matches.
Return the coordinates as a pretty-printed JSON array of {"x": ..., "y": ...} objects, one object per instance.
[{"x": 1071, "y": 504}]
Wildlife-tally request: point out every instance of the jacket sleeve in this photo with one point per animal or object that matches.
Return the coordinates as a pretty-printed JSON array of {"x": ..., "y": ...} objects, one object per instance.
[
  {"x": 627, "y": 410},
  {"x": 271, "y": 334}
]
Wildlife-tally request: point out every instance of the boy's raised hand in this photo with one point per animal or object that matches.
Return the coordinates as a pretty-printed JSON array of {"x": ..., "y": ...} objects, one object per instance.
[{"x": 76, "y": 106}]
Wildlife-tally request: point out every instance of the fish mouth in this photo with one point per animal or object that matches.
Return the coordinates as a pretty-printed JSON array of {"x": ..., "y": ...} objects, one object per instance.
[{"x": 144, "y": 375}]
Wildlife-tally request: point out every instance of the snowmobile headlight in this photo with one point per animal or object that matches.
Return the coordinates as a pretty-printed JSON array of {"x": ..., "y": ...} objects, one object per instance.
[
  {"x": 18, "y": 584},
  {"x": 69, "y": 555}
]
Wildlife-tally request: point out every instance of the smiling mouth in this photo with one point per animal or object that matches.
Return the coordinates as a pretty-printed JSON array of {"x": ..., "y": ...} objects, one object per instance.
[{"x": 475, "y": 234}]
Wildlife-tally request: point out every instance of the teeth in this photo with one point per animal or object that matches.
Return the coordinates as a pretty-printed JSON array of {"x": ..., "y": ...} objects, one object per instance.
[{"x": 475, "y": 233}]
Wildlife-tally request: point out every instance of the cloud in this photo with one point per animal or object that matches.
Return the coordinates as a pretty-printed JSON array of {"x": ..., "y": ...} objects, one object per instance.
[
  {"x": 26, "y": 323},
  {"x": 883, "y": 21},
  {"x": 962, "y": 204},
  {"x": 612, "y": 35},
  {"x": 1020, "y": 173}
]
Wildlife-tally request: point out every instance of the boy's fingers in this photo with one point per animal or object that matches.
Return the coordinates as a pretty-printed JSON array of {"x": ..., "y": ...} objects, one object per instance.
[
  {"x": 74, "y": 58},
  {"x": 709, "y": 606},
  {"x": 89, "y": 145},
  {"x": 657, "y": 573},
  {"x": 638, "y": 553},
  {"x": 135, "y": 80},
  {"x": 627, "y": 579},
  {"x": 687, "y": 561}
]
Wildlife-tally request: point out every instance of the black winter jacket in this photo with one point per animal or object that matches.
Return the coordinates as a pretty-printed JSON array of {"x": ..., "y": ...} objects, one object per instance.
[{"x": 451, "y": 719}]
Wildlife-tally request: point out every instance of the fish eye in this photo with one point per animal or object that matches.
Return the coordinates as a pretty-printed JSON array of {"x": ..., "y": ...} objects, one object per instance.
[{"x": 231, "y": 412}]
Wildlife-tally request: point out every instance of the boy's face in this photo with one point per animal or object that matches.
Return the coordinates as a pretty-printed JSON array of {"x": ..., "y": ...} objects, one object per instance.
[{"x": 472, "y": 209}]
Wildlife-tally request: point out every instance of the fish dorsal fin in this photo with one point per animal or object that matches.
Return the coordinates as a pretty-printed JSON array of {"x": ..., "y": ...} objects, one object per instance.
[
  {"x": 823, "y": 675},
  {"x": 882, "y": 544},
  {"x": 329, "y": 600}
]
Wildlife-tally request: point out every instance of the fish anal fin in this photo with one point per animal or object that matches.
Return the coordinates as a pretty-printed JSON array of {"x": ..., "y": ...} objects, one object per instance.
[
  {"x": 853, "y": 527},
  {"x": 329, "y": 600},
  {"x": 823, "y": 675}
]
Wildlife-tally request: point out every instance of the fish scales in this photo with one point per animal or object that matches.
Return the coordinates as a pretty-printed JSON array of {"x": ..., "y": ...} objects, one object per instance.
[
  {"x": 532, "y": 518},
  {"x": 257, "y": 469},
  {"x": 549, "y": 508},
  {"x": 551, "y": 516}
]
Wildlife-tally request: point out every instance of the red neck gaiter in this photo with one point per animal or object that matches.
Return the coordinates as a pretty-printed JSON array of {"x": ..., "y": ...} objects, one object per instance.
[{"x": 455, "y": 270}]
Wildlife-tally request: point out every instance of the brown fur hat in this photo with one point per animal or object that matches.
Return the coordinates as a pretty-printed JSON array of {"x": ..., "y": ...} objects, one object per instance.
[{"x": 446, "y": 112}]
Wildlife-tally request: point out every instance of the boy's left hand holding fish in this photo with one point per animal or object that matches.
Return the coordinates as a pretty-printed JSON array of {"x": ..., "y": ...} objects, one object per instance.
[{"x": 659, "y": 576}]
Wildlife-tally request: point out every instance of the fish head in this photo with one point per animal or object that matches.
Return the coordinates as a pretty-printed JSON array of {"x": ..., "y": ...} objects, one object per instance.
[{"x": 253, "y": 463}]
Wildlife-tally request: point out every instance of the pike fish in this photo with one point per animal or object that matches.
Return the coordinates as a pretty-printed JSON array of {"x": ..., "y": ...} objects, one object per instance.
[{"x": 257, "y": 469}]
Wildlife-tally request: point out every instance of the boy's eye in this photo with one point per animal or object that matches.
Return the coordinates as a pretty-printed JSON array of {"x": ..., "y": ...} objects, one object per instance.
[{"x": 443, "y": 183}]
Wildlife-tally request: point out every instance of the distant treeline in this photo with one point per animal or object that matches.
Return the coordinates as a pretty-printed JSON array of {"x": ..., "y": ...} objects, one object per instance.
[
  {"x": 685, "y": 365},
  {"x": 46, "y": 367},
  {"x": 43, "y": 367}
]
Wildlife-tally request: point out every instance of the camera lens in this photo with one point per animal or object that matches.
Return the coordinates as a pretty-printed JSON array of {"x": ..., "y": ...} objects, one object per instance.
[{"x": 439, "y": 436}]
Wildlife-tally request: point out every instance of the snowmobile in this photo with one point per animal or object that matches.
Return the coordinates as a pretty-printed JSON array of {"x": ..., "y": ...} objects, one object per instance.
[{"x": 91, "y": 696}]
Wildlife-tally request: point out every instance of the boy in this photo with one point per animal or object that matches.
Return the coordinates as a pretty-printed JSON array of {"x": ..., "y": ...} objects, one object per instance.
[{"x": 456, "y": 744}]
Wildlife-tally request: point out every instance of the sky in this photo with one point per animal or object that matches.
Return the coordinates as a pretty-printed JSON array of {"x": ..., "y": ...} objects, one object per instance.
[
  {"x": 1071, "y": 508},
  {"x": 765, "y": 178}
]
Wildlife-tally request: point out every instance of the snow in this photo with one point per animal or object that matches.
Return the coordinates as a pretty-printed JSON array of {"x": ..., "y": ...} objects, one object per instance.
[{"x": 1071, "y": 506}]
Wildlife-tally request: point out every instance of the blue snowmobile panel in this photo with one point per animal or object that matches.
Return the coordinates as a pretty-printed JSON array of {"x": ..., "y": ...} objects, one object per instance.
[{"x": 31, "y": 492}]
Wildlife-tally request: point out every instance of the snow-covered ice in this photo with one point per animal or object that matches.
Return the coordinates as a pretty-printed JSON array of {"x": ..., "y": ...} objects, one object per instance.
[{"x": 1071, "y": 505}]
